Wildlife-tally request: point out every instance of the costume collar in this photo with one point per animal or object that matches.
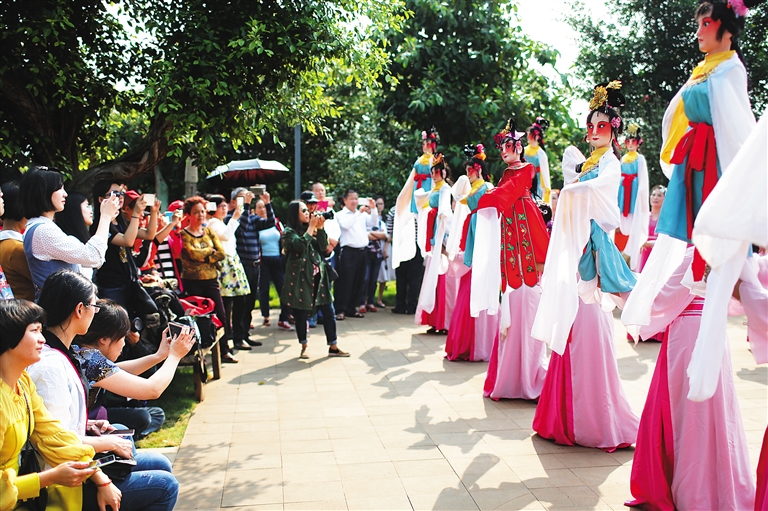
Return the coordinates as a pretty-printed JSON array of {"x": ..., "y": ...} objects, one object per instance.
[
  {"x": 708, "y": 65},
  {"x": 437, "y": 186},
  {"x": 629, "y": 157},
  {"x": 531, "y": 151},
  {"x": 593, "y": 159},
  {"x": 473, "y": 190},
  {"x": 426, "y": 159}
]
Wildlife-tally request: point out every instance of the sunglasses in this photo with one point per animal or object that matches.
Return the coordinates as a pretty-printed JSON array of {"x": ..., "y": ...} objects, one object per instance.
[{"x": 304, "y": 210}]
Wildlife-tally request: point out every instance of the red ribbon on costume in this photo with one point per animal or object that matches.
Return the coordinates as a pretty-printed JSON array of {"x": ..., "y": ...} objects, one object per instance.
[
  {"x": 431, "y": 217},
  {"x": 465, "y": 230},
  {"x": 698, "y": 144},
  {"x": 627, "y": 184},
  {"x": 420, "y": 178}
]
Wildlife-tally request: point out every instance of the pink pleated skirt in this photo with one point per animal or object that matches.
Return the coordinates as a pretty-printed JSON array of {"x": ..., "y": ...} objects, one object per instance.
[
  {"x": 583, "y": 401},
  {"x": 518, "y": 363},
  {"x": 469, "y": 338},
  {"x": 690, "y": 455}
]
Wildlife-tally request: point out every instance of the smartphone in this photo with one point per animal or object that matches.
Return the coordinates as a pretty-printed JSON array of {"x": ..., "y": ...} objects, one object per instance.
[
  {"x": 322, "y": 205},
  {"x": 211, "y": 207},
  {"x": 149, "y": 198},
  {"x": 240, "y": 202},
  {"x": 175, "y": 328},
  {"x": 106, "y": 460},
  {"x": 120, "y": 432},
  {"x": 258, "y": 190},
  {"x": 168, "y": 216}
]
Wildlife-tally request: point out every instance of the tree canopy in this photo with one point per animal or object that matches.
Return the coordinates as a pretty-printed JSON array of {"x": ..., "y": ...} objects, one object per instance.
[
  {"x": 650, "y": 47},
  {"x": 185, "y": 74}
]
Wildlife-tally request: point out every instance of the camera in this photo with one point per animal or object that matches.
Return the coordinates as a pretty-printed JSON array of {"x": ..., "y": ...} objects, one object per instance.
[{"x": 328, "y": 215}]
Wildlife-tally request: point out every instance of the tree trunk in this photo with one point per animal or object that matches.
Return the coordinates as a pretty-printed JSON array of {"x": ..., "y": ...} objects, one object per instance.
[{"x": 150, "y": 152}]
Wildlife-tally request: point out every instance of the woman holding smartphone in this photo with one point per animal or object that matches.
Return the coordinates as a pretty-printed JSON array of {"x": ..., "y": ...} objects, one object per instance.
[
  {"x": 23, "y": 414},
  {"x": 69, "y": 302}
]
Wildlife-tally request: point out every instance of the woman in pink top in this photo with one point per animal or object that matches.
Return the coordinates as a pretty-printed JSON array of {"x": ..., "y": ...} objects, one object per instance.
[{"x": 657, "y": 199}]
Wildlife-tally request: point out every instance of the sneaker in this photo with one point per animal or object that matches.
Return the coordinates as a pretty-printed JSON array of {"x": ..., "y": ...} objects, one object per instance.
[
  {"x": 284, "y": 325},
  {"x": 337, "y": 353},
  {"x": 304, "y": 355}
]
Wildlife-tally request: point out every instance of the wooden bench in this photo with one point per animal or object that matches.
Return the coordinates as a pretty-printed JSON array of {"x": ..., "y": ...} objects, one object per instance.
[{"x": 200, "y": 368}]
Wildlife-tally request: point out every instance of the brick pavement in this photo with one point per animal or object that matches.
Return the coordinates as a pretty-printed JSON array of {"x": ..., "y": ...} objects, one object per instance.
[{"x": 396, "y": 426}]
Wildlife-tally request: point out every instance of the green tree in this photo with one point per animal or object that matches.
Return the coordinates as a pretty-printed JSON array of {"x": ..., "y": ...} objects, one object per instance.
[
  {"x": 465, "y": 66},
  {"x": 194, "y": 72},
  {"x": 650, "y": 47}
]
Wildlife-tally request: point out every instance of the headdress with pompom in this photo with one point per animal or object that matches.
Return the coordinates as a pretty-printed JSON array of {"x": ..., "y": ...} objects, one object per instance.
[
  {"x": 476, "y": 152},
  {"x": 508, "y": 133},
  {"x": 431, "y": 135}
]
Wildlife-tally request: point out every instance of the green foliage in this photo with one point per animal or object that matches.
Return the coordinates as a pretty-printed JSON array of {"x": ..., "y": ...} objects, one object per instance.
[
  {"x": 195, "y": 72},
  {"x": 651, "y": 48},
  {"x": 464, "y": 66}
]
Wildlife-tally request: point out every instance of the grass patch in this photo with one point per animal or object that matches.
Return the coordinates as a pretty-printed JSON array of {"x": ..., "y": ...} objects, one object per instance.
[
  {"x": 178, "y": 401},
  {"x": 389, "y": 296}
]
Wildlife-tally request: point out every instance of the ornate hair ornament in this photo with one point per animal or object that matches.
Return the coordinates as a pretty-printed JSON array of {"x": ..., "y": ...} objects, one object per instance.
[
  {"x": 738, "y": 7},
  {"x": 633, "y": 132},
  {"x": 540, "y": 124},
  {"x": 438, "y": 160},
  {"x": 508, "y": 133},
  {"x": 476, "y": 152},
  {"x": 606, "y": 94},
  {"x": 430, "y": 135}
]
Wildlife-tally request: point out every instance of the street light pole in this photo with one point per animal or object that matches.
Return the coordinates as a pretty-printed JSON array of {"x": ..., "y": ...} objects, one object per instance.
[{"x": 297, "y": 160}]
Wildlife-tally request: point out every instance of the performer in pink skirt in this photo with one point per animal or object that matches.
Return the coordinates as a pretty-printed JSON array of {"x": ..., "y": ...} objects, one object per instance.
[
  {"x": 583, "y": 401},
  {"x": 469, "y": 338},
  {"x": 689, "y": 455},
  {"x": 440, "y": 284},
  {"x": 510, "y": 248}
]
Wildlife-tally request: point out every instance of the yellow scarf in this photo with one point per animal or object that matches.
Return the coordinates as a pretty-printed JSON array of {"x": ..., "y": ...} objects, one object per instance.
[
  {"x": 679, "y": 120},
  {"x": 426, "y": 159},
  {"x": 437, "y": 186},
  {"x": 593, "y": 160},
  {"x": 531, "y": 151},
  {"x": 475, "y": 187},
  {"x": 629, "y": 157}
]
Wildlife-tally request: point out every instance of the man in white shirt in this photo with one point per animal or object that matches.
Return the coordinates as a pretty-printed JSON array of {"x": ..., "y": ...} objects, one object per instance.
[{"x": 354, "y": 224}]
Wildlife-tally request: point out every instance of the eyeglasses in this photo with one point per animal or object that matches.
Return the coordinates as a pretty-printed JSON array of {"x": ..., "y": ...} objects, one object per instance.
[
  {"x": 116, "y": 193},
  {"x": 93, "y": 306}
]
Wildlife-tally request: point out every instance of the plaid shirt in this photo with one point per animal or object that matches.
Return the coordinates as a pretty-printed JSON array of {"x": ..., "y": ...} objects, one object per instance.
[{"x": 247, "y": 233}]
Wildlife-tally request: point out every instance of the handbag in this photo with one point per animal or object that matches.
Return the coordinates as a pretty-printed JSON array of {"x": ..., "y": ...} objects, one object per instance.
[
  {"x": 332, "y": 273},
  {"x": 118, "y": 470},
  {"x": 29, "y": 464}
]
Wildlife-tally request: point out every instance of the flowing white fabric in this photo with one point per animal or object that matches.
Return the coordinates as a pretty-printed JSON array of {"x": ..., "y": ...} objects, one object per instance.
[
  {"x": 404, "y": 227},
  {"x": 636, "y": 225},
  {"x": 460, "y": 190},
  {"x": 733, "y": 121},
  {"x": 736, "y": 213},
  {"x": 436, "y": 261},
  {"x": 486, "y": 269},
  {"x": 579, "y": 202},
  {"x": 723, "y": 236}
]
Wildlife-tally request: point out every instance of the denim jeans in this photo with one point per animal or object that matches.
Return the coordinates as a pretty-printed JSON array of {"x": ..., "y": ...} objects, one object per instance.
[
  {"x": 151, "y": 486},
  {"x": 329, "y": 323},
  {"x": 144, "y": 420}
]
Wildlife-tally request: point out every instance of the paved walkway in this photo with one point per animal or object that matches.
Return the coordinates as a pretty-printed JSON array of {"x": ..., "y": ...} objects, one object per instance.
[{"x": 396, "y": 426}]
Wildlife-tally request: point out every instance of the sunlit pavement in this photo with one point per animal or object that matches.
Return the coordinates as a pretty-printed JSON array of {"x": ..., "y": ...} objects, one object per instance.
[{"x": 396, "y": 426}]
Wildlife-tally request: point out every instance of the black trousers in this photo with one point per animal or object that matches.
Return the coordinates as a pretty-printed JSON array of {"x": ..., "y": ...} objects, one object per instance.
[
  {"x": 329, "y": 323},
  {"x": 210, "y": 289},
  {"x": 408, "y": 278},
  {"x": 234, "y": 307},
  {"x": 350, "y": 286},
  {"x": 243, "y": 314}
]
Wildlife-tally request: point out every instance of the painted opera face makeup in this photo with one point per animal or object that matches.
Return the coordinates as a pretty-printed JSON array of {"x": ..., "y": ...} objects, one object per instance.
[
  {"x": 427, "y": 147},
  {"x": 631, "y": 144},
  {"x": 707, "y": 37},
  {"x": 532, "y": 140},
  {"x": 509, "y": 153},
  {"x": 599, "y": 130}
]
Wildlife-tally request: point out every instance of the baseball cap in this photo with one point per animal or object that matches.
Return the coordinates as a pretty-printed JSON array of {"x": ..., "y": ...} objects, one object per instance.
[{"x": 308, "y": 197}]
